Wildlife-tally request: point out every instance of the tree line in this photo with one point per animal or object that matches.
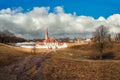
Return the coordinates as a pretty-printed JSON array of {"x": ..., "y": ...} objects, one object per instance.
[{"x": 8, "y": 37}]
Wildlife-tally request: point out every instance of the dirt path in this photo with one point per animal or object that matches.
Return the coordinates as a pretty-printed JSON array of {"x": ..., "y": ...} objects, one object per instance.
[{"x": 31, "y": 65}]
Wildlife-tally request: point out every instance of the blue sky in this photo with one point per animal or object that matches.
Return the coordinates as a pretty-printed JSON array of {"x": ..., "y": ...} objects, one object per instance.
[
  {"x": 58, "y": 16},
  {"x": 94, "y": 8}
]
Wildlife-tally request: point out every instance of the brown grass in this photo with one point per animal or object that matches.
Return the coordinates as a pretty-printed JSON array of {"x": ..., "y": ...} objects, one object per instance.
[
  {"x": 72, "y": 63},
  {"x": 89, "y": 52},
  {"x": 66, "y": 69}
]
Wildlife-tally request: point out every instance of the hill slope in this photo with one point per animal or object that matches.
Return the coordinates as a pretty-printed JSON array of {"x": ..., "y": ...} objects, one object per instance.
[{"x": 55, "y": 66}]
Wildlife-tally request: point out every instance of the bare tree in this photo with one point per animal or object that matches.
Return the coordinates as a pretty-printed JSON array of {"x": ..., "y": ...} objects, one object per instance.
[
  {"x": 117, "y": 37},
  {"x": 100, "y": 37}
]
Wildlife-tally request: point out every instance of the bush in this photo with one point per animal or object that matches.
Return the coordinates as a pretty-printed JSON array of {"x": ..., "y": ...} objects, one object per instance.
[{"x": 107, "y": 55}]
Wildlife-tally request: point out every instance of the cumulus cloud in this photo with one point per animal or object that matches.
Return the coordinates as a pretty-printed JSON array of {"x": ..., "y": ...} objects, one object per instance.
[
  {"x": 32, "y": 24},
  {"x": 10, "y": 11},
  {"x": 59, "y": 9}
]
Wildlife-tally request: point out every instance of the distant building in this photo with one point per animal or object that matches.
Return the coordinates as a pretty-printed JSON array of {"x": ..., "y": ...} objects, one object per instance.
[
  {"x": 52, "y": 43},
  {"x": 47, "y": 43},
  {"x": 49, "y": 40},
  {"x": 83, "y": 41}
]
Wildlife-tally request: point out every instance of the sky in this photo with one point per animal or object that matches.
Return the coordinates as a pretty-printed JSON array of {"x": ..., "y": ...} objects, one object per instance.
[{"x": 63, "y": 18}]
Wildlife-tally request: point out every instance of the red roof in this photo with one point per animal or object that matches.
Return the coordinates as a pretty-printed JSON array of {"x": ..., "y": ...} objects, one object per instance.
[{"x": 50, "y": 40}]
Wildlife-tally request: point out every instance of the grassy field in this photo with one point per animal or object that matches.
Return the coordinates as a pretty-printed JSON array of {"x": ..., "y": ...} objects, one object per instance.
[{"x": 74, "y": 63}]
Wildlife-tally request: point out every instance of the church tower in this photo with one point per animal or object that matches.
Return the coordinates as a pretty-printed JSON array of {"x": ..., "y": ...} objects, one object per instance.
[{"x": 46, "y": 34}]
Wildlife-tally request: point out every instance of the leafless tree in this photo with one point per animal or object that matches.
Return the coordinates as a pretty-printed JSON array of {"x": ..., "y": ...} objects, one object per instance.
[
  {"x": 100, "y": 37},
  {"x": 117, "y": 37}
]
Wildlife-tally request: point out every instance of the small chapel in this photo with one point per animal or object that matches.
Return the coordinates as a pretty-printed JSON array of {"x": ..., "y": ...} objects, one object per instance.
[
  {"x": 51, "y": 43},
  {"x": 48, "y": 39}
]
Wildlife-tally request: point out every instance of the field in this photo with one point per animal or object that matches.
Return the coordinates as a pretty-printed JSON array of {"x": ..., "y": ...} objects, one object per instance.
[{"x": 78, "y": 62}]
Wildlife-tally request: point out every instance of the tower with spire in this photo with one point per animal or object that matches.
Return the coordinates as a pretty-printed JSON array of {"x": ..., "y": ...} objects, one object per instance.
[
  {"x": 46, "y": 34},
  {"x": 50, "y": 42}
]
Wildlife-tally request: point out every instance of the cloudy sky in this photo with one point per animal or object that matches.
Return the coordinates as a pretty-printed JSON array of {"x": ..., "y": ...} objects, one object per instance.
[{"x": 63, "y": 18}]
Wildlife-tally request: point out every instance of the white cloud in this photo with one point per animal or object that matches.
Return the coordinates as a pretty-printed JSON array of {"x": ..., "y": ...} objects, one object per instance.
[
  {"x": 10, "y": 11},
  {"x": 101, "y": 18},
  {"x": 59, "y": 9},
  {"x": 33, "y": 23}
]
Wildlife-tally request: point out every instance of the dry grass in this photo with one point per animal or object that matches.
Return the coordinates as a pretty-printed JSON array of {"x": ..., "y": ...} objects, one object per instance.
[
  {"x": 8, "y": 55},
  {"x": 66, "y": 69},
  {"x": 89, "y": 52},
  {"x": 27, "y": 50},
  {"x": 72, "y": 63}
]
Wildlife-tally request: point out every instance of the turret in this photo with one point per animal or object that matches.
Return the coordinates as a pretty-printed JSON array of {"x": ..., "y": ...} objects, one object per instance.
[{"x": 46, "y": 34}]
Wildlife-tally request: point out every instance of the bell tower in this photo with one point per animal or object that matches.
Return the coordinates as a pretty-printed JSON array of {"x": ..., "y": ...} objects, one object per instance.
[{"x": 46, "y": 34}]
